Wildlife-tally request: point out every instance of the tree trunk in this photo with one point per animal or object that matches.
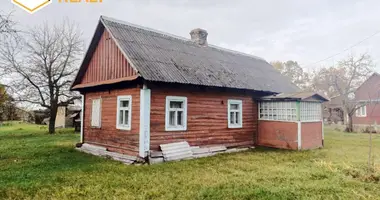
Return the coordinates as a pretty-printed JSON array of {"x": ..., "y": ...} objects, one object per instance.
[
  {"x": 53, "y": 116},
  {"x": 349, "y": 126}
]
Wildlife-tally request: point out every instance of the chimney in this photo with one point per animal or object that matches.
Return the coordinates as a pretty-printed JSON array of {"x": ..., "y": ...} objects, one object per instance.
[{"x": 199, "y": 36}]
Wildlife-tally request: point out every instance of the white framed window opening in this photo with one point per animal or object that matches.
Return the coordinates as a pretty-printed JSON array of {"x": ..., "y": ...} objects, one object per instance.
[
  {"x": 278, "y": 111},
  {"x": 362, "y": 111},
  {"x": 124, "y": 112},
  {"x": 96, "y": 113},
  {"x": 311, "y": 111},
  {"x": 176, "y": 113},
  {"x": 235, "y": 114}
]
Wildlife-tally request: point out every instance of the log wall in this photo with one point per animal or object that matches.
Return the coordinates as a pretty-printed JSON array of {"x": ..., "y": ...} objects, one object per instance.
[
  {"x": 206, "y": 119},
  {"x": 122, "y": 141}
]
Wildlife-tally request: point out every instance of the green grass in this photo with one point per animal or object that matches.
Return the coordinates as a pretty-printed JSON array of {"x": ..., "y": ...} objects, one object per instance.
[{"x": 36, "y": 165}]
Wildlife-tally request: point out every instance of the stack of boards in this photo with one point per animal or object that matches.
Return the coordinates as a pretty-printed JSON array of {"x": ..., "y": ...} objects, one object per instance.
[
  {"x": 183, "y": 151},
  {"x": 169, "y": 152},
  {"x": 102, "y": 151}
]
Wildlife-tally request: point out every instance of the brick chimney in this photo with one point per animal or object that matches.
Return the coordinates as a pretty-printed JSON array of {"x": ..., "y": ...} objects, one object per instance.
[{"x": 199, "y": 36}]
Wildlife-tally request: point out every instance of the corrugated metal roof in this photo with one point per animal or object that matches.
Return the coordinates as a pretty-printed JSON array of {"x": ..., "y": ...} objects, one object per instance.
[{"x": 163, "y": 57}]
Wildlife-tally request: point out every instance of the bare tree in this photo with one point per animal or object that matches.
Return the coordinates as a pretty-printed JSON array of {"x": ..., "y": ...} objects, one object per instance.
[
  {"x": 42, "y": 63},
  {"x": 294, "y": 72},
  {"x": 343, "y": 80},
  {"x": 6, "y": 24}
]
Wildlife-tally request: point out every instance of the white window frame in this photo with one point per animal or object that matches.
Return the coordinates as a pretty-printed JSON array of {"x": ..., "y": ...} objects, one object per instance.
[
  {"x": 240, "y": 111},
  {"x": 168, "y": 127},
  {"x": 362, "y": 111},
  {"x": 100, "y": 112},
  {"x": 310, "y": 111},
  {"x": 283, "y": 110},
  {"x": 129, "y": 125}
]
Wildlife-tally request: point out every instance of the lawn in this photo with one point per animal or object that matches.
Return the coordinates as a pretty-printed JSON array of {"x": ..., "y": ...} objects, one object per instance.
[{"x": 36, "y": 165}]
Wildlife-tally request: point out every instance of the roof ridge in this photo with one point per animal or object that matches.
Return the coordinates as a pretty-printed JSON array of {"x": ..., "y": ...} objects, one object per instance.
[{"x": 177, "y": 37}]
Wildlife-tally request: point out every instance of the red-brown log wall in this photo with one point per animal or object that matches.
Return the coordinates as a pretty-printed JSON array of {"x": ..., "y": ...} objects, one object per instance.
[
  {"x": 278, "y": 134},
  {"x": 107, "y": 62},
  {"x": 206, "y": 119},
  {"x": 373, "y": 115},
  {"x": 122, "y": 141},
  {"x": 311, "y": 135}
]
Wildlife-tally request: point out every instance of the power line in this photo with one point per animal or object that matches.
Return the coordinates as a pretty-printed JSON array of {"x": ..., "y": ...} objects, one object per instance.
[{"x": 352, "y": 46}]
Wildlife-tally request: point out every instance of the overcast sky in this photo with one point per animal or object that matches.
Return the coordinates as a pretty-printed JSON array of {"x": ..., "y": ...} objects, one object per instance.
[{"x": 302, "y": 30}]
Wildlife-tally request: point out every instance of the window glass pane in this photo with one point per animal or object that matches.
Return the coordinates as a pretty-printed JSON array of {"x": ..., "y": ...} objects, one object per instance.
[
  {"x": 237, "y": 117},
  {"x": 232, "y": 118},
  {"x": 176, "y": 104},
  {"x": 126, "y": 117},
  {"x": 179, "y": 118},
  {"x": 234, "y": 106},
  {"x": 121, "y": 117},
  {"x": 172, "y": 118},
  {"x": 311, "y": 111},
  {"x": 124, "y": 104},
  {"x": 283, "y": 111}
]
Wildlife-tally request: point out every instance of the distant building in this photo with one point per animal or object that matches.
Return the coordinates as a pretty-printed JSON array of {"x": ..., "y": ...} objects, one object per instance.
[
  {"x": 333, "y": 111},
  {"x": 67, "y": 116},
  {"x": 368, "y": 94}
]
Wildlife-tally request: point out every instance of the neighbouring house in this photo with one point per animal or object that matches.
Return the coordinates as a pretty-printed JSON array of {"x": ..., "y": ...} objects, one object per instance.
[
  {"x": 40, "y": 116},
  {"x": 67, "y": 116},
  {"x": 367, "y": 117},
  {"x": 143, "y": 88},
  {"x": 333, "y": 112}
]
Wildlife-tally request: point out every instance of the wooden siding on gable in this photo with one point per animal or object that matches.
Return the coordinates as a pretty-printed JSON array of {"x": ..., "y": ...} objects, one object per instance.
[
  {"x": 107, "y": 62},
  {"x": 370, "y": 89}
]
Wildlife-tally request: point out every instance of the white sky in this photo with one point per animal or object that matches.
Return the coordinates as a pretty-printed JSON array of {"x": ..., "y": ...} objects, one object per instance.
[{"x": 302, "y": 30}]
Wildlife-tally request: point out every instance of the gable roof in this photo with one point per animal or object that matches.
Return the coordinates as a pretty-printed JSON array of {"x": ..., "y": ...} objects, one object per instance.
[
  {"x": 375, "y": 74},
  {"x": 297, "y": 96},
  {"x": 158, "y": 56}
]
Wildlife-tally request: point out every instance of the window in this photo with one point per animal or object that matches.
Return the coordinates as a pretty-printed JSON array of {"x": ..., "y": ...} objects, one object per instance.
[
  {"x": 96, "y": 113},
  {"x": 176, "y": 113},
  {"x": 311, "y": 111},
  {"x": 361, "y": 112},
  {"x": 124, "y": 112},
  {"x": 281, "y": 111},
  {"x": 235, "y": 114}
]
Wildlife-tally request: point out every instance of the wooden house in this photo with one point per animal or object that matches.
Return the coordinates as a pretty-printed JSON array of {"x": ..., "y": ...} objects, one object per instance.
[
  {"x": 143, "y": 88},
  {"x": 368, "y": 98}
]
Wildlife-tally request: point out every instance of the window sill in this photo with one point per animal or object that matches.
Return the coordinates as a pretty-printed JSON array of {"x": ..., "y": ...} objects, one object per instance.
[
  {"x": 124, "y": 128},
  {"x": 175, "y": 129},
  {"x": 235, "y": 126}
]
